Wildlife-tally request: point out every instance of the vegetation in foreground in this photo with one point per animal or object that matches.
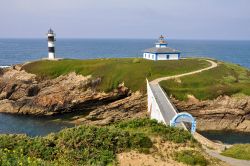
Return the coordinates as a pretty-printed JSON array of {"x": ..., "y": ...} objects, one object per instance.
[
  {"x": 240, "y": 151},
  {"x": 191, "y": 157},
  {"x": 153, "y": 128},
  {"x": 86, "y": 145},
  {"x": 131, "y": 71},
  {"x": 226, "y": 79}
]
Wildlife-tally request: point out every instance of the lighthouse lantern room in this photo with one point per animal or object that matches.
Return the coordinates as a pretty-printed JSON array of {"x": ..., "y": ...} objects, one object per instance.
[{"x": 51, "y": 44}]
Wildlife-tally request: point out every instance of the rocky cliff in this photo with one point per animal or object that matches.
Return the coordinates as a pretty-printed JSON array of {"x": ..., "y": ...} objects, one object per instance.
[
  {"x": 223, "y": 113},
  {"x": 24, "y": 93}
]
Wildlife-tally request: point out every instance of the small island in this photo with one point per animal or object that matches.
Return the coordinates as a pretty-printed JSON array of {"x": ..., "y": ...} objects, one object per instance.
[
  {"x": 111, "y": 92},
  {"x": 124, "y": 83}
]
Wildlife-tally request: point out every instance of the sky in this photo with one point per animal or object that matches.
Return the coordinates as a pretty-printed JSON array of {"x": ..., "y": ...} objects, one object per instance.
[{"x": 176, "y": 19}]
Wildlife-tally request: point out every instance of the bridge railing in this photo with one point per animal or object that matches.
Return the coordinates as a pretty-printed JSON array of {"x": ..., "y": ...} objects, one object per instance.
[
  {"x": 150, "y": 92},
  {"x": 153, "y": 105}
]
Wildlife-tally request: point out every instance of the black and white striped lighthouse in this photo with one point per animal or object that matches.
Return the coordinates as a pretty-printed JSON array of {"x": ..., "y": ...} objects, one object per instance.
[{"x": 51, "y": 44}]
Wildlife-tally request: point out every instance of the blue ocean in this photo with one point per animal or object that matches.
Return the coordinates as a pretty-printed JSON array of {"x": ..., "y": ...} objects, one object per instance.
[{"x": 13, "y": 51}]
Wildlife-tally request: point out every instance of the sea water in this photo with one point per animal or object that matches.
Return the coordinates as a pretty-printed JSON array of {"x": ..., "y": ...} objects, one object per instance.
[{"x": 15, "y": 51}]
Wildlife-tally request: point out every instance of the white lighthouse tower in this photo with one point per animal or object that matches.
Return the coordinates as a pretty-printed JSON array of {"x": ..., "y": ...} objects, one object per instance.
[{"x": 51, "y": 44}]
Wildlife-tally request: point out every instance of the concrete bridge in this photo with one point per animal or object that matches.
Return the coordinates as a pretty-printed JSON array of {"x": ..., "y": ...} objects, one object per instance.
[{"x": 161, "y": 108}]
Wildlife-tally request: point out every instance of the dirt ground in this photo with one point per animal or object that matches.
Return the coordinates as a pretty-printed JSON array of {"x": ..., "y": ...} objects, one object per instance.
[{"x": 161, "y": 154}]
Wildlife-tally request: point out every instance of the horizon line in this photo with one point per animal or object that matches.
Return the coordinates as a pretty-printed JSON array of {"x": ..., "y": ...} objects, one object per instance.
[{"x": 124, "y": 38}]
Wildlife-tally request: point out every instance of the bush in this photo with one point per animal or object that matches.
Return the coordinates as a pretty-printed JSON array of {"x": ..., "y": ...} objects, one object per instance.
[
  {"x": 16, "y": 157},
  {"x": 141, "y": 142},
  {"x": 190, "y": 157},
  {"x": 83, "y": 145},
  {"x": 153, "y": 127},
  {"x": 86, "y": 145}
]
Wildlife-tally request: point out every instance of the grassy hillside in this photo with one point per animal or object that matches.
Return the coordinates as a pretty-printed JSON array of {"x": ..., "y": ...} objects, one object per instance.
[
  {"x": 90, "y": 145},
  {"x": 133, "y": 71},
  {"x": 241, "y": 151},
  {"x": 226, "y": 79}
]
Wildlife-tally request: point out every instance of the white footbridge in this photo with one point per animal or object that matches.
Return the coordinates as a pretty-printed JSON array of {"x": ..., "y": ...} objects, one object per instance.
[{"x": 161, "y": 108}]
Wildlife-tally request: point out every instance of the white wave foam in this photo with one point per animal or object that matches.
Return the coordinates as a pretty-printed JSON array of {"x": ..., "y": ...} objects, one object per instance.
[{"x": 4, "y": 66}]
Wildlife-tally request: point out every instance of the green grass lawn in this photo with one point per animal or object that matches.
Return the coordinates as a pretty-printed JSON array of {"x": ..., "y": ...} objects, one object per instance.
[
  {"x": 131, "y": 71},
  {"x": 226, "y": 79},
  {"x": 86, "y": 145},
  {"x": 240, "y": 151}
]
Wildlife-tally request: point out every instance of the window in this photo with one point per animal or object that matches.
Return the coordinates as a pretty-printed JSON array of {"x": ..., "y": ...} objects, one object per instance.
[{"x": 51, "y": 38}]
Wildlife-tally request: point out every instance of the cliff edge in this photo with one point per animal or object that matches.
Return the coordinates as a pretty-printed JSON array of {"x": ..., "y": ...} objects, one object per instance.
[
  {"x": 222, "y": 113},
  {"x": 25, "y": 93}
]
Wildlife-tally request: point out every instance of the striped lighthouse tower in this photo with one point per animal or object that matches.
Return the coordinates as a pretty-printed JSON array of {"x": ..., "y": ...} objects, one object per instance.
[{"x": 51, "y": 44}]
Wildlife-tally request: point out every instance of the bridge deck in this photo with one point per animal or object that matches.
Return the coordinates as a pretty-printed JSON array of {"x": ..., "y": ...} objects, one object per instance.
[{"x": 166, "y": 108}]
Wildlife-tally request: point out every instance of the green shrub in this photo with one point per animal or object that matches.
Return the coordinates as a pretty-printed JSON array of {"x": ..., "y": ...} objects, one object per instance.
[
  {"x": 16, "y": 157},
  {"x": 139, "y": 140},
  {"x": 190, "y": 157},
  {"x": 153, "y": 127},
  {"x": 83, "y": 145},
  {"x": 86, "y": 145}
]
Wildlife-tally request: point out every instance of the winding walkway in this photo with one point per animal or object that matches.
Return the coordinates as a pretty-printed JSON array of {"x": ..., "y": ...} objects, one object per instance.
[
  {"x": 228, "y": 160},
  {"x": 213, "y": 65},
  {"x": 168, "y": 107}
]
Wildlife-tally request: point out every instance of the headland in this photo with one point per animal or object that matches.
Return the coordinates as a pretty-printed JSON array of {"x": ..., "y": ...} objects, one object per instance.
[{"x": 109, "y": 91}]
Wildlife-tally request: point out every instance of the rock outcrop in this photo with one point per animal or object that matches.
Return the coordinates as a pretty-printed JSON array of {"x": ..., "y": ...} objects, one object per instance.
[
  {"x": 24, "y": 93},
  {"x": 223, "y": 113},
  {"x": 130, "y": 107}
]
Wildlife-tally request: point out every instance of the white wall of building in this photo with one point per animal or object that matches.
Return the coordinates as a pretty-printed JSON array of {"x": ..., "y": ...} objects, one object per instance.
[
  {"x": 162, "y": 57},
  {"x": 51, "y": 55},
  {"x": 149, "y": 56},
  {"x": 167, "y": 56},
  {"x": 152, "y": 56},
  {"x": 174, "y": 56},
  {"x": 51, "y": 44}
]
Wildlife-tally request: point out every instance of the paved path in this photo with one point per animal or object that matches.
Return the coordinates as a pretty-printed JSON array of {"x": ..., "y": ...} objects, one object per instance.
[
  {"x": 213, "y": 65},
  {"x": 228, "y": 160}
]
